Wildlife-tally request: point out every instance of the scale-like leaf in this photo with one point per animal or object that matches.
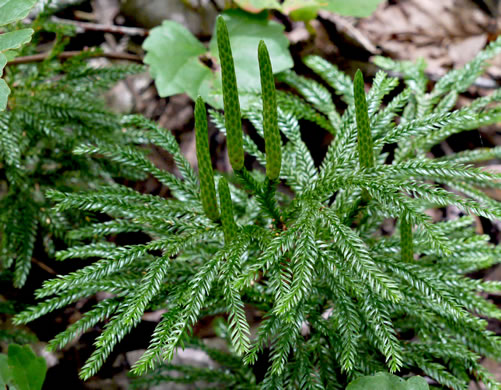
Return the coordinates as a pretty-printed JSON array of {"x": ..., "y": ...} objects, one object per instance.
[
  {"x": 207, "y": 186},
  {"x": 273, "y": 142},
  {"x": 365, "y": 143},
  {"x": 406, "y": 243}
]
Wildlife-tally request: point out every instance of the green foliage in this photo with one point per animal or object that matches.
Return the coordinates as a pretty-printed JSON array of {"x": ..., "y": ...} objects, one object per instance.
[
  {"x": 308, "y": 9},
  {"x": 12, "y": 11},
  {"x": 53, "y": 108},
  {"x": 384, "y": 381},
  {"x": 173, "y": 55},
  {"x": 338, "y": 298},
  {"x": 229, "y": 373},
  {"x": 21, "y": 369}
]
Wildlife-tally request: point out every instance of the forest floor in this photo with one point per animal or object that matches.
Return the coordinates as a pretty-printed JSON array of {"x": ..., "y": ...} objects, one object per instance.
[{"x": 446, "y": 33}]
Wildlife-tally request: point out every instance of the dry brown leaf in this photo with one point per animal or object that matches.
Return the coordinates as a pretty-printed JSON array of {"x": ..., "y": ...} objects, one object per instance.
[{"x": 447, "y": 33}]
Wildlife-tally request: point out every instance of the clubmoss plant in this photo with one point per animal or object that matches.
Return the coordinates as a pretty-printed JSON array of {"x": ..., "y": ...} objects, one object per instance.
[
  {"x": 337, "y": 297},
  {"x": 54, "y": 107}
]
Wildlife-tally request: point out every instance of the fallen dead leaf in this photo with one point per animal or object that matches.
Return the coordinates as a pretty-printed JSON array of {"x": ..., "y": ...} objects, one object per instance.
[{"x": 448, "y": 33}]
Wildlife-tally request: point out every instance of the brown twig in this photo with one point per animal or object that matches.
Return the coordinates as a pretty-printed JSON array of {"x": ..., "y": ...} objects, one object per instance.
[
  {"x": 44, "y": 266},
  {"x": 70, "y": 54},
  {"x": 109, "y": 28}
]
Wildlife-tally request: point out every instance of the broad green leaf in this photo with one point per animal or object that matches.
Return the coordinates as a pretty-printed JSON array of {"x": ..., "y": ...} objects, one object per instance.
[
  {"x": 3, "y": 62},
  {"x": 289, "y": 6},
  {"x": 307, "y": 9},
  {"x": 173, "y": 57},
  {"x": 385, "y": 381},
  {"x": 14, "y": 39},
  {"x": 4, "y": 94},
  {"x": 5, "y": 375},
  {"x": 246, "y": 30},
  {"x": 4, "y": 88},
  {"x": 256, "y": 6},
  {"x": 10, "y": 54},
  {"x": 28, "y": 370},
  {"x": 304, "y": 14},
  {"x": 303, "y": 10},
  {"x": 359, "y": 8},
  {"x": 13, "y": 10},
  {"x": 417, "y": 383},
  {"x": 380, "y": 381}
]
